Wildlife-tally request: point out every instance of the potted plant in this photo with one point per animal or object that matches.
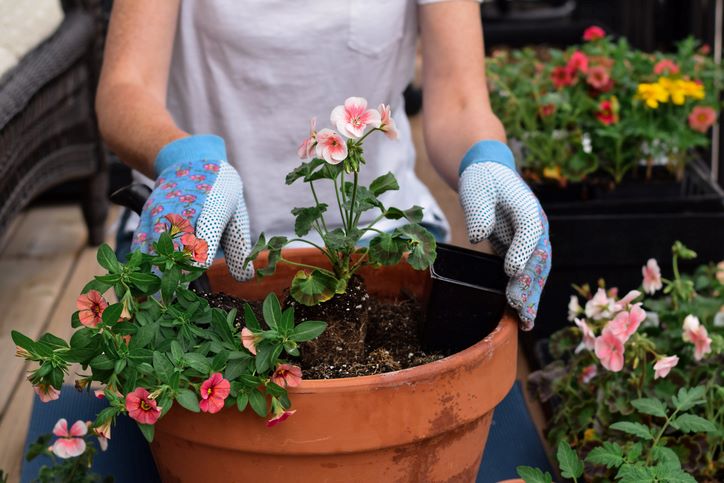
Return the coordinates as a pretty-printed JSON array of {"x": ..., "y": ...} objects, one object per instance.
[
  {"x": 635, "y": 387},
  {"x": 610, "y": 138},
  {"x": 170, "y": 358}
]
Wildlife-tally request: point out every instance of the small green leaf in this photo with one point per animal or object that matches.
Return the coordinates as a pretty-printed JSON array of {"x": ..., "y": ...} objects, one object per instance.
[
  {"x": 144, "y": 335},
  {"x": 272, "y": 310},
  {"x": 107, "y": 259},
  {"x": 327, "y": 171},
  {"x": 629, "y": 473},
  {"x": 651, "y": 406},
  {"x": 197, "y": 362},
  {"x": 235, "y": 368},
  {"x": 250, "y": 318},
  {"x": 690, "y": 423},
  {"x": 666, "y": 457},
  {"x": 313, "y": 288},
  {"x": 263, "y": 358},
  {"x": 386, "y": 182},
  {"x": 569, "y": 462},
  {"x": 305, "y": 218},
  {"x": 610, "y": 455},
  {"x": 303, "y": 170},
  {"x": 259, "y": 247},
  {"x": 164, "y": 245},
  {"x": 421, "y": 244},
  {"x": 257, "y": 401},
  {"x": 162, "y": 366},
  {"x": 311, "y": 329},
  {"x": 533, "y": 475},
  {"x": 23, "y": 341},
  {"x": 147, "y": 430},
  {"x": 688, "y": 398},
  {"x": 413, "y": 215},
  {"x": 242, "y": 400},
  {"x": 97, "y": 285},
  {"x": 384, "y": 249},
  {"x": 145, "y": 282},
  {"x": 275, "y": 246},
  {"x": 188, "y": 399},
  {"x": 637, "y": 429},
  {"x": 112, "y": 313},
  {"x": 169, "y": 282},
  {"x": 286, "y": 322},
  {"x": 177, "y": 352}
]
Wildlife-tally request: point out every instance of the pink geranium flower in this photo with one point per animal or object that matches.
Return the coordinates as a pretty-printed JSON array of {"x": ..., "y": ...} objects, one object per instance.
[
  {"x": 279, "y": 416},
  {"x": 46, "y": 392},
  {"x": 664, "y": 365},
  {"x": 141, "y": 407},
  {"x": 287, "y": 375},
  {"x": 601, "y": 306},
  {"x": 626, "y": 323},
  {"x": 90, "y": 308},
  {"x": 627, "y": 299},
  {"x": 306, "y": 149},
  {"x": 589, "y": 338},
  {"x": 387, "y": 124},
  {"x": 70, "y": 443},
  {"x": 666, "y": 66},
  {"x": 702, "y": 118},
  {"x": 578, "y": 62},
  {"x": 353, "y": 117},
  {"x": 331, "y": 147},
  {"x": 695, "y": 332},
  {"x": 588, "y": 373},
  {"x": 593, "y": 33},
  {"x": 198, "y": 248},
  {"x": 652, "y": 276},
  {"x": 214, "y": 391},
  {"x": 248, "y": 340},
  {"x": 609, "y": 350}
]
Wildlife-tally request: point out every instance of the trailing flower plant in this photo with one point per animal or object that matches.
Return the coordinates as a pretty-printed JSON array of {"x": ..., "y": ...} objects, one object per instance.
[
  {"x": 636, "y": 384},
  {"x": 603, "y": 106},
  {"x": 339, "y": 158},
  {"x": 162, "y": 344}
]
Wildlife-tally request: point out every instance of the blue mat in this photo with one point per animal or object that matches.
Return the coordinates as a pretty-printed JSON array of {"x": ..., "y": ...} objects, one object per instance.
[{"x": 513, "y": 440}]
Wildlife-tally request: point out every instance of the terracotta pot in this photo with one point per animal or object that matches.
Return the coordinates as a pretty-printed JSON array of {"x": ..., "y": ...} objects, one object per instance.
[{"x": 424, "y": 424}]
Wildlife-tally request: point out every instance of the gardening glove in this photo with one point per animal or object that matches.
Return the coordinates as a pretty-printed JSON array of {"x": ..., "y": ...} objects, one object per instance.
[
  {"x": 195, "y": 181},
  {"x": 499, "y": 205}
]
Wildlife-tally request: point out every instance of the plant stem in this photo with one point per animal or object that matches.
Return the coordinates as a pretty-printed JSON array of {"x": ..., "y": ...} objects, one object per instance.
[
  {"x": 341, "y": 204},
  {"x": 304, "y": 265},
  {"x": 661, "y": 433},
  {"x": 354, "y": 196},
  {"x": 316, "y": 200}
]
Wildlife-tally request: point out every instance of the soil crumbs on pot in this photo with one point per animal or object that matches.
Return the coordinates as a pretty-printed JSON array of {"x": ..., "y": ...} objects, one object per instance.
[{"x": 392, "y": 341}]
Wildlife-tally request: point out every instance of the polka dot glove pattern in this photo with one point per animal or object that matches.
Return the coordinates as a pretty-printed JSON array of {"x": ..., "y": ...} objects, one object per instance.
[
  {"x": 209, "y": 193},
  {"x": 499, "y": 206}
]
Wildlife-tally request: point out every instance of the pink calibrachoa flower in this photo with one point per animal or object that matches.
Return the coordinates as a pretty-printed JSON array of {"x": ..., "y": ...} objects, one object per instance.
[
  {"x": 99, "y": 393},
  {"x": 593, "y": 33},
  {"x": 608, "y": 111},
  {"x": 598, "y": 77},
  {"x": 287, "y": 375},
  {"x": 70, "y": 443},
  {"x": 387, "y": 123},
  {"x": 179, "y": 224},
  {"x": 578, "y": 62},
  {"x": 588, "y": 373},
  {"x": 695, "y": 332},
  {"x": 601, "y": 306},
  {"x": 666, "y": 67},
  {"x": 214, "y": 391},
  {"x": 198, "y": 248},
  {"x": 652, "y": 276},
  {"x": 609, "y": 350},
  {"x": 103, "y": 432},
  {"x": 589, "y": 338},
  {"x": 625, "y": 323},
  {"x": 353, "y": 117},
  {"x": 90, "y": 308},
  {"x": 279, "y": 416},
  {"x": 306, "y": 149},
  {"x": 248, "y": 340},
  {"x": 664, "y": 365},
  {"x": 46, "y": 392},
  {"x": 142, "y": 408},
  {"x": 562, "y": 76},
  {"x": 331, "y": 147},
  {"x": 702, "y": 118}
]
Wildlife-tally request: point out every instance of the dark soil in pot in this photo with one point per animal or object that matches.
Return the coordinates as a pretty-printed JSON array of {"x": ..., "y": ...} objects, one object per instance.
[{"x": 391, "y": 340}]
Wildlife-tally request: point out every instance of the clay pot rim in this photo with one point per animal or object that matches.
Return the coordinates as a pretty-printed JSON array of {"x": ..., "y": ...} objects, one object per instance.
[{"x": 508, "y": 323}]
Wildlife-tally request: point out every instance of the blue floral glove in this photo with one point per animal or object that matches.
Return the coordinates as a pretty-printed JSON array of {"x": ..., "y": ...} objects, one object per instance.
[
  {"x": 195, "y": 181},
  {"x": 500, "y": 206}
]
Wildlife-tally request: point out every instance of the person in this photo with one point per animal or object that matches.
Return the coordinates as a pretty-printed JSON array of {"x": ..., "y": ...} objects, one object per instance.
[{"x": 209, "y": 100}]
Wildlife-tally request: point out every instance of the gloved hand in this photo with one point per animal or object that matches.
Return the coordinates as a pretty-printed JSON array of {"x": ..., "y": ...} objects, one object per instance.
[
  {"x": 500, "y": 206},
  {"x": 195, "y": 181}
]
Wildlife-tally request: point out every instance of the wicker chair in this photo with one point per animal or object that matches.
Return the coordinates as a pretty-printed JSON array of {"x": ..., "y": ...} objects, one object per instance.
[{"x": 48, "y": 130}]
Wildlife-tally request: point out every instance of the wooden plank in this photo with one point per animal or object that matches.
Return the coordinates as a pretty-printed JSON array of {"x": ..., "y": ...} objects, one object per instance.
[
  {"x": 48, "y": 231},
  {"x": 10, "y": 230}
]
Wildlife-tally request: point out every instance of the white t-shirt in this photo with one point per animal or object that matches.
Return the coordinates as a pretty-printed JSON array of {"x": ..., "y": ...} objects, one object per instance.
[{"x": 255, "y": 72}]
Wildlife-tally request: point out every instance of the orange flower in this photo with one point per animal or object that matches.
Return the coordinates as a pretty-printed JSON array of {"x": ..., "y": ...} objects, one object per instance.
[
  {"x": 196, "y": 246},
  {"x": 702, "y": 118},
  {"x": 179, "y": 224},
  {"x": 91, "y": 306}
]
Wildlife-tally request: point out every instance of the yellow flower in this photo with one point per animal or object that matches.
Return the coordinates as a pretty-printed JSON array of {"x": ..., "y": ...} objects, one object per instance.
[
  {"x": 693, "y": 89},
  {"x": 675, "y": 89},
  {"x": 652, "y": 94},
  {"x": 589, "y": 434}
]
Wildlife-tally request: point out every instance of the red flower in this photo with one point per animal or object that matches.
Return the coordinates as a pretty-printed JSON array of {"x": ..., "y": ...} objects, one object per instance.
[
  {"x": 279, "y": 417},
  {"x": 196, "y": 246},
  {"x": 141, "y": 408},
  {"x": 179, "y": 224},
  {"x": 578, "y": 62},
  {"x": 667, "y": 67},
  {"x": 702, "y": 118},
  {"x": 214, "y": 391},
  {"x": 608, "y": 111},
  {"x": 90, "y": 308},
  {"x": 562, "y": 77},
  {"x": 593, "y": 33},
  {"x": 546, "y": 110}
]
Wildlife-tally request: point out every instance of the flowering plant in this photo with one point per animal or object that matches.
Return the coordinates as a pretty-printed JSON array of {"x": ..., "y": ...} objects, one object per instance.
[
  {"x": 603, "y": 106},
  {"x": 162, "y": 343},
  {"x": 644, "y": 366},
  {"x": 338, "y": 159}
]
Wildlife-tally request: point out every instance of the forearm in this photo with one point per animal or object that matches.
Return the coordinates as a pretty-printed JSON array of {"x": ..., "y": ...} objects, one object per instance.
[{"x": 135, "y": 125}]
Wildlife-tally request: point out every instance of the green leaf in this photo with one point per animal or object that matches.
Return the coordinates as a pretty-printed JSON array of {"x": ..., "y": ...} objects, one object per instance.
[
  {"x": 637, "y": 429},
  {"x": 666, "y": 457},
  {"x": 327, "y": 171},
  {"x": 145, "y": 282},
  {"x": 303, "y": 170},
  {"x": 97, "y": 285},
  {"x": 23, "y": 341},
  {"x": 569, "y": 462},
  {"x": 688, "y": 398},
  {"x": 177, "y": 352},
  {"x": 235, "y": 368},
  {"x": 635, "y": 474},
  {"x": 413, "y": 215},
  {"x": 672, "y": 475},
  {"x": 263, "y": 360},
  {"x": 272, "y": 310},
  {"x": 259, "y": 247},
  {"x": 220, "y": 325},
  {"x": 242, "y": 400},
  {"x": 275, "y": 246},
  {"x": 363, "y": 201},
  {"x": 188, "y": 399},
  {"x": 610, "y": 455},
  {"x": 305, "y": 218},
  {"x": 384, "y": 249},
  {"x": 633, "y": 453},
  {"x": 257, "y": 401},
  {"x": 107, "y": 259},
  {"x": 651, "y": 406},
  {"x": 313, "y": 288},
  {"x": 690, "y": 423},
  {"x": 112, "y": 313},
  {"x": 144, "y": 335},
  {"x": 162, "y": 366},
  {"x": 147, "y": 430},
  {"x": 386, "y": 182},
  {"x": 311, "y": 329},
  {"x": 421, "y": 244},
  {"x": 250, "y": 318},
  {"x": 286, "y": 322},
  {"x": 164, "y": 245},
  {"x": 169, "y": 282},
  {"x": 102, "y": 363},
  {"x": 533, "y": 475},
  {"x": 197, "y": 362}
]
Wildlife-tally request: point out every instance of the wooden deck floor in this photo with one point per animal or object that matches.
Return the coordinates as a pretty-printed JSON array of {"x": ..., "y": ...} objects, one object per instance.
[{"x": 44, "y": 263}]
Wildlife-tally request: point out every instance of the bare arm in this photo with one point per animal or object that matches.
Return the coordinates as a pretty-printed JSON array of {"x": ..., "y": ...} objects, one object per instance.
[
  {"x": 131, "y": 99},
  {"x": 457, "y": 110}
]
